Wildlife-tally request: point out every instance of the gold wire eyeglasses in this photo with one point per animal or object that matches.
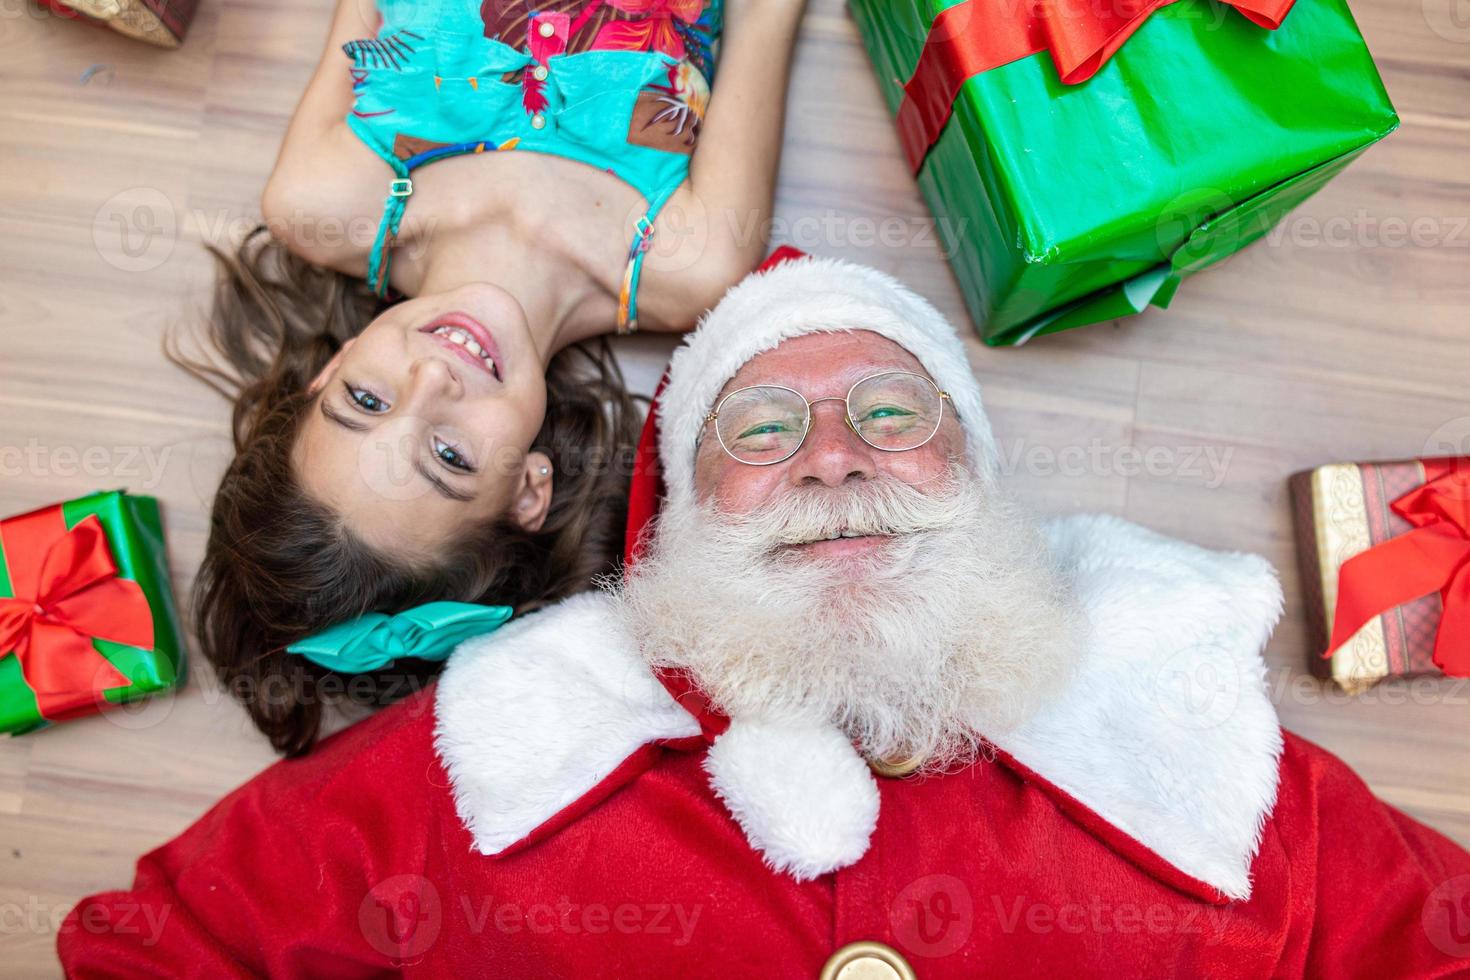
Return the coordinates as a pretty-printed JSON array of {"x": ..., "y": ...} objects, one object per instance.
[{"x": 892, "y": 411}]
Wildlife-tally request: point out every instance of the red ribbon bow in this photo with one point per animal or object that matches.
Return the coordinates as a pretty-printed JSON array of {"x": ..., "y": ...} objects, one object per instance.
[
  {"x": 66, "y": 593},
  {"x": 1434, "y": 557},
  {"x": 978, "y": 35}
]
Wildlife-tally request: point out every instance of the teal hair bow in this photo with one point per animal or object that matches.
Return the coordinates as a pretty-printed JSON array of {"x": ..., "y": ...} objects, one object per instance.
[{"x": 428, "y": 632}]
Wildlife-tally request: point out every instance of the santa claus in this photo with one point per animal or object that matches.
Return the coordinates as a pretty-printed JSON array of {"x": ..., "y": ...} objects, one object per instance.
[{"x": 849, "y": 714}]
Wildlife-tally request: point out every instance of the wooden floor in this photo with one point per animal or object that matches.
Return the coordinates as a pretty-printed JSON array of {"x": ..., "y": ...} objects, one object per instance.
[{"x": 1340, "y": 339}]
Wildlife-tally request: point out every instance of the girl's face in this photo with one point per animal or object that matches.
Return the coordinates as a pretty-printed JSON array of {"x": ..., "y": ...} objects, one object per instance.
[{"x": 421, "y": 426}]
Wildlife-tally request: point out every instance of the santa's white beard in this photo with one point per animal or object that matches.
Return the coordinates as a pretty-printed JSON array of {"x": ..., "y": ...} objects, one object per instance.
[{"x": 958, "y": 628}]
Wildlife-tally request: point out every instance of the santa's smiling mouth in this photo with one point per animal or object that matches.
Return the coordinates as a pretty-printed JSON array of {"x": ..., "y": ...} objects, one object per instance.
[{"x": 842, "y": 545}]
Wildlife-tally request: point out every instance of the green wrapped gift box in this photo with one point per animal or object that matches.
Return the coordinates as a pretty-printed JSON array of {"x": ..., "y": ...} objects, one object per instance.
[
  {"x": 1068, "y": 204},
  {"x": 87, "y": 616}
]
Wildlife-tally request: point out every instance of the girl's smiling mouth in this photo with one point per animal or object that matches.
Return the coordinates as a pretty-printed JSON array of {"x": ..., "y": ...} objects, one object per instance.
[{"x": 466, "y": 338}]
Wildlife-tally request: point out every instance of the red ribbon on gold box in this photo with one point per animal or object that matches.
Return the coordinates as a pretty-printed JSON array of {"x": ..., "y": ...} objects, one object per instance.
[{"x": 1385, "y": 558}]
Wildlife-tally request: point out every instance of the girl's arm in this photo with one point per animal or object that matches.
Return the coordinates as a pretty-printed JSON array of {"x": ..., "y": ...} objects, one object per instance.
[
  {"x": 315, "y": 177},
  {"x": 712, "y": 231}
]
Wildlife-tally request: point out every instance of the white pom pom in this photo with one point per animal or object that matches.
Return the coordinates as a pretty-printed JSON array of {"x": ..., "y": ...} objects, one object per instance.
[{"x": 804, "y": 797}]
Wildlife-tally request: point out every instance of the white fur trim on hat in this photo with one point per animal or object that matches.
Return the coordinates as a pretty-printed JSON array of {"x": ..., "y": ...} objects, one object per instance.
[{"x": 797, "y": 297}]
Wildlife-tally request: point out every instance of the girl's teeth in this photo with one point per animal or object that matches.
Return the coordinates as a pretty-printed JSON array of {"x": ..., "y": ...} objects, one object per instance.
[{"x": 464, "y": 340}]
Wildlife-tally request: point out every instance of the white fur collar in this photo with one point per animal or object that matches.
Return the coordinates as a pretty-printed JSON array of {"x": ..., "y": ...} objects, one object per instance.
[
  {"x": 1166, "y": 732},
  {"x": 534, "y": 715}
]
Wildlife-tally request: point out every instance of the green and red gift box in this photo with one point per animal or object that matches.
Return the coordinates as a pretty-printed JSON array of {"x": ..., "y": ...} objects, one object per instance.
[
  {"x": 87, "y": 615},
  {"x": 1082, "y": 157}
]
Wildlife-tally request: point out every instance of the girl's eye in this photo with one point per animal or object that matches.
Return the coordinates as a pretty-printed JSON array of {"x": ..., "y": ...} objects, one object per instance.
[
  {"x": 452, "y": 457},
  {"x": 366, "y": 400}
]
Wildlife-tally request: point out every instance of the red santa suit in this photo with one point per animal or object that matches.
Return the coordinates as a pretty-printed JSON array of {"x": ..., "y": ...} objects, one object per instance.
[{"x": 553, "y": 808}]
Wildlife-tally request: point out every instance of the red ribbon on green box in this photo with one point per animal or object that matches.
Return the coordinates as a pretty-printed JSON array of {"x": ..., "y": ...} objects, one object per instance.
[
  {"x": 1434, "y": 557},
  {"x": 977, "y": 35},
  {"x": 86, "y": 615}
]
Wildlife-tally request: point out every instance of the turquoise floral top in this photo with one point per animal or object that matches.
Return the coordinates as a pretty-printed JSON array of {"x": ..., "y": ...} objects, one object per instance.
[{"x": 620, "y": 85}]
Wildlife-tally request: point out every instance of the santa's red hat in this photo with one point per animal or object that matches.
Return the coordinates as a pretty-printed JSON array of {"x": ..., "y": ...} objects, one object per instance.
[{"x": 793, "y": 294}]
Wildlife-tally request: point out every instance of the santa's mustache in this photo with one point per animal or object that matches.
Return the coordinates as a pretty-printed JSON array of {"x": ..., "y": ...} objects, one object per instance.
[{"x": 883, "y": 506}]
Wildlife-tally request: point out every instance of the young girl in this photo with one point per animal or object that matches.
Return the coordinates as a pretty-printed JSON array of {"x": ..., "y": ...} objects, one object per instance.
[{"x": 539, "y": 173}]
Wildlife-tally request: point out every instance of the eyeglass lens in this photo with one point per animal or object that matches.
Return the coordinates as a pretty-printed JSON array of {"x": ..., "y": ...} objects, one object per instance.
[{"x": 891, "y": 412}]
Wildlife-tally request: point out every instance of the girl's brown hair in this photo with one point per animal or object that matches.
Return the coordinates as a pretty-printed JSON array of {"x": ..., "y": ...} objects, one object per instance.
[{"x": 280, "y": 566}]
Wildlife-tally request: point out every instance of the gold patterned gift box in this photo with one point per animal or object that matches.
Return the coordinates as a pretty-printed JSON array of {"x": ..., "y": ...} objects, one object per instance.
[
  {"x": 157, "y": 22},
  {"x": 1341, "y": 511}
]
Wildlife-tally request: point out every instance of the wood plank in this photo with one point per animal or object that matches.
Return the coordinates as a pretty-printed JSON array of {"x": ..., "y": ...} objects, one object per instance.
[{"x": 1340, "y": 336}]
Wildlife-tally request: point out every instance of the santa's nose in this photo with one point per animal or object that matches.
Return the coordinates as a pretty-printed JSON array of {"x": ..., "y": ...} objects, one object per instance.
[{"x": 833, "y": 453}]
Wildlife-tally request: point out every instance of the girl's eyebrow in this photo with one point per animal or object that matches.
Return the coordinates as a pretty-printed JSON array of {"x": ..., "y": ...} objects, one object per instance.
[
  {"x": 342, "y": 420},
  {"x": 445, "y": 490}
]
